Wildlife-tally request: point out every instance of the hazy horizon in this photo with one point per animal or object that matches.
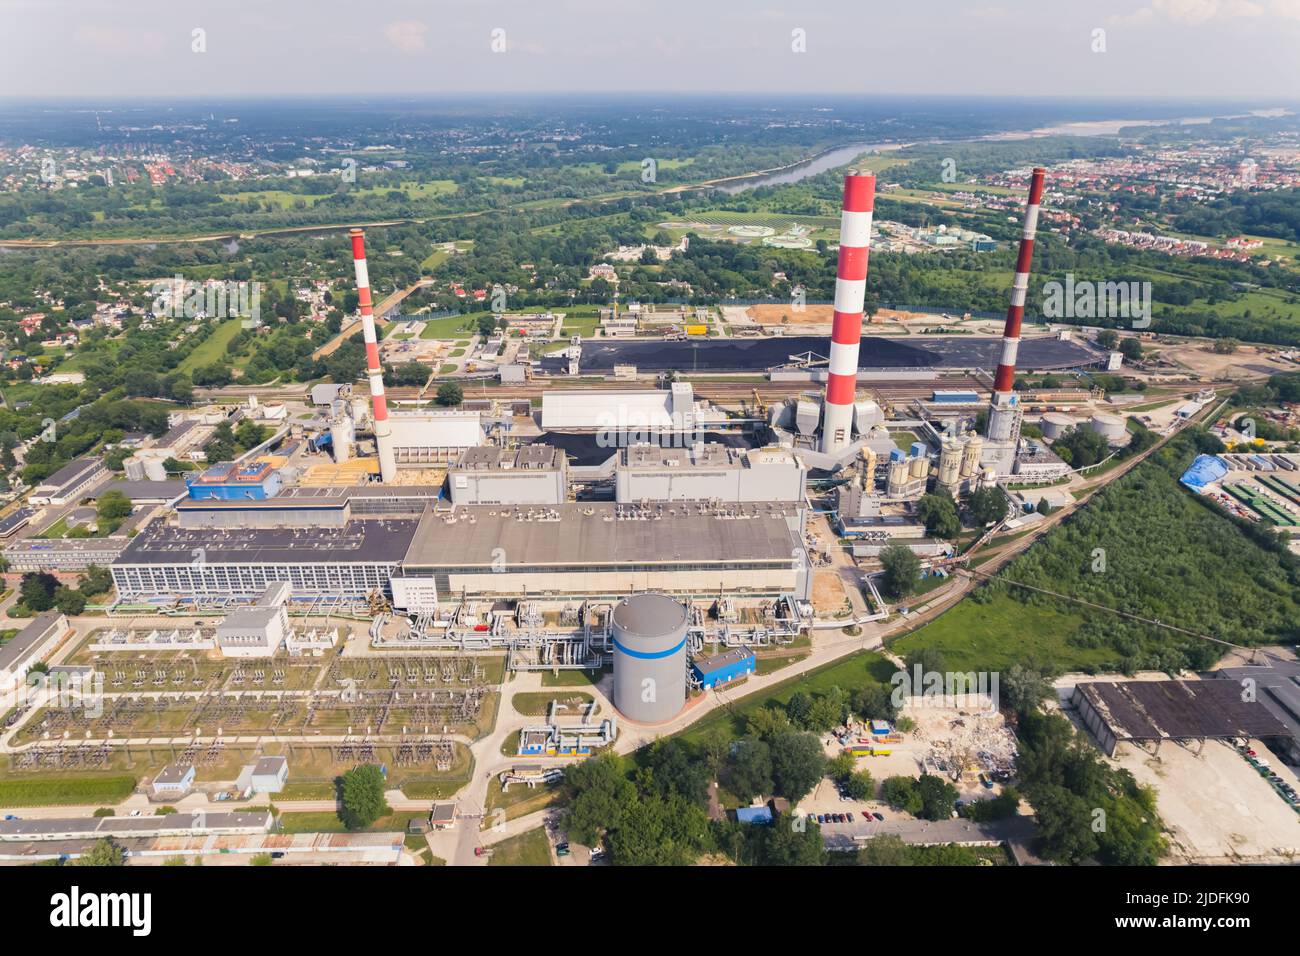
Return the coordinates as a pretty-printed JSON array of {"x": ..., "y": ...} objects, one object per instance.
[{"x": 1220, "y": 49}]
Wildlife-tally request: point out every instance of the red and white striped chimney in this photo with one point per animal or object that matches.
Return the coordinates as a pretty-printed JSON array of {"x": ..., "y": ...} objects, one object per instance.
[
  {"x": 850, "y": 290},
  {"x": 1004, "y": 412},
  {"x": 379, "y": 404}
]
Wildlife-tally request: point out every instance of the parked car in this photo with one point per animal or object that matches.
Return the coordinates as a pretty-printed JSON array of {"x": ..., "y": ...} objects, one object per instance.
[
  {"x": 277, "y": 854},
  {"x": 561, "y": 849},
  {"x": 479, "y": 851},
  {"x": 879, "y": 816},
  {"x": 821, "y": 818},
  {"x": 849, "y": 816}
]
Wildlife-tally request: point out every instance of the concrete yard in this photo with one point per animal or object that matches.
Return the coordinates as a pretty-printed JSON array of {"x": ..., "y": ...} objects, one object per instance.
[{"x": 1216, "y": 807}]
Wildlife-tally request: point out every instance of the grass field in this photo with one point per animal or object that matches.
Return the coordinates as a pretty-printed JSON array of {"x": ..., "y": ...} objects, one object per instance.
[
  {"x": 1003, "y": 632},
  {"x": 527, "y": 849},
  {"x": 65, "y": 790},
  {"x": 571, "y": 678},
  {"x": 536, "y": 704},
  {"x": 849, "y": 673},
  {"x": 213, "y": 348}
]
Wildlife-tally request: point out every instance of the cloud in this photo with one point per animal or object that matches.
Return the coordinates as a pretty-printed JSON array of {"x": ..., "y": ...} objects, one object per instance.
[
  {"x": 116, "y": 41},
  {"x": 1195, "y": 13},
  {"x": 407, "y": 35}
]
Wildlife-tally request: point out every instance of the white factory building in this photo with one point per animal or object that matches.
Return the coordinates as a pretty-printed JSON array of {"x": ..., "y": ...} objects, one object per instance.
[
  {"x": 259, "y": 630},
  {"x": 434, "y": 437},
  {"x": 708, "y": 472},
  {"x": 645, "y": 412},
  {"x": 532, "y": 475}
]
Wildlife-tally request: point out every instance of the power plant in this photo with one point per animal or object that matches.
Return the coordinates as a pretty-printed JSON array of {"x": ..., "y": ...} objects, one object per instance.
[{"x": 850, "y": 291}]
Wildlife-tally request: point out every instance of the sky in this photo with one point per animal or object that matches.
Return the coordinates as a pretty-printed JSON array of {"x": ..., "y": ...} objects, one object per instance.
[{"x": 98, "y": 49}]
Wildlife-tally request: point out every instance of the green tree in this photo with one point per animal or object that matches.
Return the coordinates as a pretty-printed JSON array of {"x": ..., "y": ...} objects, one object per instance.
[
  {"x": 748, "y": 772},
  {"x": 363, "y": 800},
  {"x": 902, "y": 570},
  {"x": 597, "y": 793},
  {"x": 112, "y": 506},
  {"x": 36, "y": 591},
  {"x": 798, "y": 762},
  {"x": 69, "y": 600},
  {"x": 901, "y": 794},
  {"x": 938, "y": 512},
  {"x": 103, "y": 852},
  {"x": 790, "y": 842},
  {"x": 988, "y": 504},
  {"x": 450, "y": 393},
  {"x": 886, "y": 850}
]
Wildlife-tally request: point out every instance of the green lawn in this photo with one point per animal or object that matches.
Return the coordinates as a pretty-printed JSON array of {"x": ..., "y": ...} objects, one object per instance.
[
  {"x": 571, "y": 678},
  {"x": 1003, "y": 632},
  {"x": 43, "y": 791},
  {"x": 848, "y": 673},
  {"x": 527, "y": 849},
  {"x": 213, "y": 348},
  {"x": 535, "y": 704}
]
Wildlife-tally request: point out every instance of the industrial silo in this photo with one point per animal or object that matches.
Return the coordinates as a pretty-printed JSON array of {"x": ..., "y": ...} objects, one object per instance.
[
  {"x": 1112, "y": 427},
  {"x": 1055, "y": 425},
  {"x": 649, "y": 657},
  {"x": 970, "y": 459},
  {"x": 918, "y": 467},
  {"x": 950, "y": 452}
]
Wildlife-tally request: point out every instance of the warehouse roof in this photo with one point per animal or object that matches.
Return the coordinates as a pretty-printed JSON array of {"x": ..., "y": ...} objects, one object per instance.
[
  {"x": 17, "y": 649},
  {"x": 711, "y": 665},
  {"x": 586, "y": 534},
  {"x": 378, "y": 541},
  {"x": 70, "y": 473},
  {"x": 149, "y": 490},
  {"x": 1178, "y": 709}
]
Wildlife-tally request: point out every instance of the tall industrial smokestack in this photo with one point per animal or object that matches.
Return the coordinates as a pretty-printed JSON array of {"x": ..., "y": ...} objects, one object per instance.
[
  {"x": 1004, "y": 412},
  {"x": 850, "y": 289},
  {"x": 383, "y": 431}
]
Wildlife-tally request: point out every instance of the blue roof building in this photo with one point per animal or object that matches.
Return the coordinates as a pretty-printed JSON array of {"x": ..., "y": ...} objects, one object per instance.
[
  {"x": 761, "y": 815},
  {"x": 722, "y": 668}
]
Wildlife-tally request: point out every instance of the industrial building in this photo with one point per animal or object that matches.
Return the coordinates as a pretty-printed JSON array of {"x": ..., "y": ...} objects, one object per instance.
[
  {"x": 602, "y": 550},
  {"x": 533, "y": 475},
  {"x": 649, "y": 657},
  {"x": 174, "y": 780},
  {"x": 353, "y": 562},
  {"x": 1147, "y": 713},
  {"x": 64, "y": 555},
  {"x": 723, "y": 668},
  {"x": 269, "y": 775},
  {"x": 229, "y": 481},
  {"x": 634, "y": 413},
  {"x": 33, "y": 643},
  {"x": 708, "y": 472},
  {"x": 259, "y": 630},
  {"x": 433, "y": 437},
  {"x": 68, "y": 483}
]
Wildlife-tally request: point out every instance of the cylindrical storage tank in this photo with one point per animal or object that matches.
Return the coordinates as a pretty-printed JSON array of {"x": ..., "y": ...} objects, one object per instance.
[
  {"x": 970, "y": 458},
  {"x": 154, "y": 470},
  {"x": 342, "y": 436},
  {"x": 898, "y": 472},
  {"x": 649, "y": 657},
  {"x": 919, "y": 467},
  {"x": 1055, "y": 425},
  {"x": 950, "y": 453},
  {"x": 1112, "y": 427},
  {"x": 134, "y": 469}
]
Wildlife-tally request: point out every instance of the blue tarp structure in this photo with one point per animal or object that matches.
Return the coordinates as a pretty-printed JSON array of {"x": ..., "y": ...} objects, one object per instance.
[
  {"x": 1205, "y": 470},
  {"x": 754, "y": 815}
]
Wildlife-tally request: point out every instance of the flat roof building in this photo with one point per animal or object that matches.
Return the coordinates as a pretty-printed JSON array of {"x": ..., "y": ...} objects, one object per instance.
[
  {"x": 604, "y": 550},
  {"x": 33, "y": 643},
  {"x": 175, "y": 779},
  {"x": 69, "y": 482},
  {"x": 534, "y": 474},
  {"x": 270, "y": 775},
  {"x": 708, "y": 471},
  {"x": 354, "y": 561}
]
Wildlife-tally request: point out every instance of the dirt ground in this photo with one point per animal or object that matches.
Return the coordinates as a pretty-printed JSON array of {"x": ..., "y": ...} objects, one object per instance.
[
  {"x": 1217, "y": 808},
  {"x": 1204, "y": 362},
  {"x": 828, "y": 591}
]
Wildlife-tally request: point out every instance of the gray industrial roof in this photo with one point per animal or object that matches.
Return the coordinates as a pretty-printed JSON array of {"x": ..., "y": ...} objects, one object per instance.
[
  {"x": 173, "y": 773},
  {"x": 107, "y": 826},
  {"x": 1179, "y": 709},
  {"x": 375, "y": 541},
  {"x": 586, "y": 534},
  {"x": 136, "y": 490},
  {"x": 248, "y": 618},
  {"x": 269, "y": 766},
  {"x": 31, "y": 635},
  {"x": 649, "y": 615},
  {"x": 70, "y": 472}
]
